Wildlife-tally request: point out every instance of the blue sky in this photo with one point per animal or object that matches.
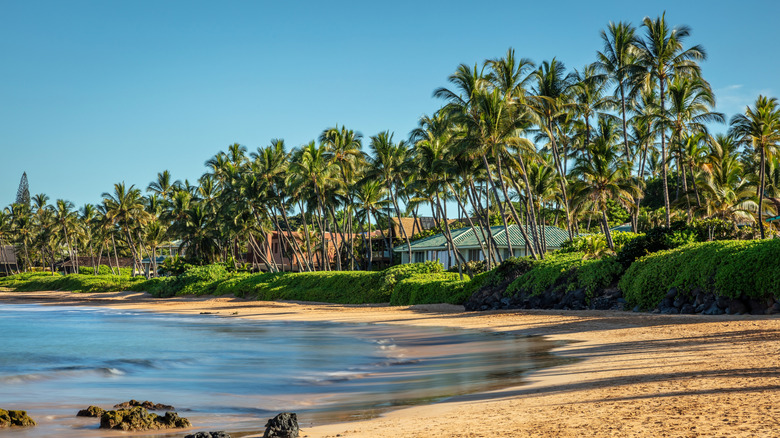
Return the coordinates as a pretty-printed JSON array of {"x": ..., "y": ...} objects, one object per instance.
[{"x": 98, "y": 92}]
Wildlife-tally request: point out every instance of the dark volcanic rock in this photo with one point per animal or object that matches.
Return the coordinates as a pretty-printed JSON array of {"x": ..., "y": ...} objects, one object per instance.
[
  {"x": 687, "y": 309},
  {"x": 145, "y": 404},
  {"x": 219, "y": 434},
  {"x": 138, "y": 418},
  {"x": 92, "y": 411},
  {"x": 737, "y": 307},
  {"x": 284, "y": 425},
  {"x": 714, "y": 309},
  {"x": 15, "y": 419}
]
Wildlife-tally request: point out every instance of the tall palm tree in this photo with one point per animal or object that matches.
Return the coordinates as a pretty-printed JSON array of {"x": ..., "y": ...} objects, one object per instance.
[
  {"x": 370, "y": 196},
  {"x": 388, "y": 163},
  {"x": 759, "y": 127},
  {"x": 550, "y": 104},
  {"x": 663, "y": 56},
  {"x": 66, "y": 219},
  {"x": 619, "y": 62},
  {"x": 604, "y": 177},
  {"x": 125, "y": 209}
]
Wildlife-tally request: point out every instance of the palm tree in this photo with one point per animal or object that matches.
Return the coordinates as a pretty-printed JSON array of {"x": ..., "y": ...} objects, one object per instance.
[
  {"x": 388, "y": 163},
  {"x": 550, "y": 104},
  {"x": 662, "y": 55},
  {"x": 313, "y": 168},
  {"x": 603, "y": 177},
  {"x": 619, "y": 62},
  {"x": 759, "y": 127},
  {"x": 66, "y": 220},
  {"x": 370, "y": 196},
  {"x": 125, "y": 209},
  {"x": 345, "y": 149}
]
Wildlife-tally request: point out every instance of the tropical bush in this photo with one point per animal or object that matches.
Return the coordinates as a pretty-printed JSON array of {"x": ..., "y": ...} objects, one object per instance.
[
  {"x": 104, "y": 270},
  {"x": 568, "y": 271},
  {"x": 729, "y": 268},
  {"x": 475, "y": 267},
  {"x": 443, "y": 287},
  {"x": 595, "y": 245},
  {"x": 34, "y": 281}
]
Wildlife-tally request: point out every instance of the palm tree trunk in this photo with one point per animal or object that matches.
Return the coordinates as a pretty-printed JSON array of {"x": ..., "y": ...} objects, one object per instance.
[
  {"x": 298, "y": 250},
  {"x": 394, "y": 198},
  {"x": 512, "y": 210},
  {"x": 484, "y": 217},
  {"x": 116, "y": 256},
  {"x": 663, "y": 161},
  {"x": 309, "y": 254},
  {"x": 498, "y": 201},
  {"x": 762, "y": 177},
  {"x": 607, "y": 232},
  {"x": 562, "y": 181},
  {"x": 453, "y": 247},
  {"x": 468, "y": 219},
  {"x": 530, "y": 207}
]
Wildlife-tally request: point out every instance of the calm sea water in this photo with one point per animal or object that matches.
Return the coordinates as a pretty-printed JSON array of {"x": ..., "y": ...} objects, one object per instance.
[{"x": 231, "y": 374}]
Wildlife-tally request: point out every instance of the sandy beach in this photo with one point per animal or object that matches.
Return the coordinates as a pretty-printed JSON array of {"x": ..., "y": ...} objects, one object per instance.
[{"x": 639, "y": 375}]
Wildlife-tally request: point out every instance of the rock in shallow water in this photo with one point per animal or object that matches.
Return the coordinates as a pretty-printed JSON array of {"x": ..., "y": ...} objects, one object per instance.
[
  {"x": 218, "y": 434},
  {"x": 138, "y": 419},
  {"x": 15, "y": 418},
  {"x": 284, "y": 425},
  {"x": 145, "y": 404},
  {"x": 92, "y": 411}
]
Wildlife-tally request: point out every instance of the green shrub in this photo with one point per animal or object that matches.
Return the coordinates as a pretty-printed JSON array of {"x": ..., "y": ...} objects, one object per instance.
[
  {"x": 104, "y": 270},
  {"x": 506, "y": 272},
  {"x": 568, "y": 271},
  {"x": 392, "y": 275},
  {"x": 29, "y": 282},
  {"x": 350, "y": 287},
  {"x": 443, "y": 287},
  {"x": 475, "y": 266},
  {"x": 729, "y": 268}
]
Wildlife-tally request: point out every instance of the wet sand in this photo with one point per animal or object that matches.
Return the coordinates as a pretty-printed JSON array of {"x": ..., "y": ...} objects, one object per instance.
[{"x": 640, "y": 375}]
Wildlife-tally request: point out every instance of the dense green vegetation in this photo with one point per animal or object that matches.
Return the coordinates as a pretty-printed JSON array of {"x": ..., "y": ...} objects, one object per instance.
[{"x": 731, "y": 269}]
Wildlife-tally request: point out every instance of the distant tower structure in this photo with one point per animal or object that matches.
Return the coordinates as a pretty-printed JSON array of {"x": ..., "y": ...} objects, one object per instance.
[{"x": 23, "y": 194}]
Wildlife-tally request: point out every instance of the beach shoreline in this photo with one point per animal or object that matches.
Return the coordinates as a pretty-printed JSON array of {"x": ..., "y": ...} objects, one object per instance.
[{"x": 638, "y": 374}]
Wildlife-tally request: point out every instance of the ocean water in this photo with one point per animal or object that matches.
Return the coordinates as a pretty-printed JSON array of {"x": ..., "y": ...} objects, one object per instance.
[{"x": 232, "y": 374}]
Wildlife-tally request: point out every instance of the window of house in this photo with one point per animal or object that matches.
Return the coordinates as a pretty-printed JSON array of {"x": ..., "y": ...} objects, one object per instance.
[
  {"x": 473, "y": 255},
  {"x": 419, "y": 257}
]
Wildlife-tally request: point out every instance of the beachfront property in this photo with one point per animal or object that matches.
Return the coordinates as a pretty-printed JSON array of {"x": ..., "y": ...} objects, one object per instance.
[
  {"x": 466, "y": 240},
  {"x": 278, "y": 251},
  {"x": 8, "y": 262}
]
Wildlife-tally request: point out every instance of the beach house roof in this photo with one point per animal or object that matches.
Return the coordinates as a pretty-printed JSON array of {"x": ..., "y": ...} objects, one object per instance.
[{"x": 466, "y": 238}]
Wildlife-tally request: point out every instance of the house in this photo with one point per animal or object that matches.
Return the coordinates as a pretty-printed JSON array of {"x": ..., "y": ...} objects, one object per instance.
[
  {"x": 436, "y": 247},
  {"x": 8, "y": 261},
  {"x": 279, "y": 251}
]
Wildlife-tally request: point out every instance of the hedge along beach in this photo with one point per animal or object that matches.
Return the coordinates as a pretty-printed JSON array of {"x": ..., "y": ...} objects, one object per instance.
[{"x": 639, "y": 374}]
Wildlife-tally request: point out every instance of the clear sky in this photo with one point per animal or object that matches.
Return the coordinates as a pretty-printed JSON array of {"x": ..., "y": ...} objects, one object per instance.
[{"x": 97, "y": 92}]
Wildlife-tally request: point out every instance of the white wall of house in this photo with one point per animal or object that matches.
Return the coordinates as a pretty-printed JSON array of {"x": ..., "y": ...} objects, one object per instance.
[{"x": 469, "y": 254}]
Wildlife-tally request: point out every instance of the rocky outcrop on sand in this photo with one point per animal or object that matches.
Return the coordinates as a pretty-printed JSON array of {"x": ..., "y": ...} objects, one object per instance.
[
  {"x": 139, "y": 419},
  {"x": 493, "y": 299},
  {"x": 709, "y": 304},
  {"x": 92, "y": 411},
  {"x": 15, "y": 419},
  {"x": 144, "y": 404},
  {"x": 284, "y": 425},
  {"x": 219, "y": 434}
]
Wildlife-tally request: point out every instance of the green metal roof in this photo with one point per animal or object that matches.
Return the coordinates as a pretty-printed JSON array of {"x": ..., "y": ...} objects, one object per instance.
[{"x": 465, "y": 238}]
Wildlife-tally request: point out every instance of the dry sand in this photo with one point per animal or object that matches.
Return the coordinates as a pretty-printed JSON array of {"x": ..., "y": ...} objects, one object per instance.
[{"x": 641, "y": 375}]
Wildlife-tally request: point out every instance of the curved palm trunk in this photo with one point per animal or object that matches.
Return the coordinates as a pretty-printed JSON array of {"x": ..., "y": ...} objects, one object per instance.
[
  {"x": 512, "y": 210},
  {"x": 453, "y": 247},
  {"x": 500, "y": 204},
  {"x": 297, "y": 247},
  {"x": 309, "y": 254},
  {"x": 468, "y": 219},
  {"x": 484, "y": 217},
  {"x": 562, "y": 181},
  {"x": 530, "y": 207},
  {"x": 394, "y": 198},
  {"x": 664, "y": 170},
  {"x": 607, "y": 232},
  {"x": 325, "y": 262},
  {"x": 762, "y": 177}
]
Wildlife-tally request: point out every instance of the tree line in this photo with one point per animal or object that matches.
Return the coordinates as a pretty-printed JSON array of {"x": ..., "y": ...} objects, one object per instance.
[{"x": 514, "y": 142}]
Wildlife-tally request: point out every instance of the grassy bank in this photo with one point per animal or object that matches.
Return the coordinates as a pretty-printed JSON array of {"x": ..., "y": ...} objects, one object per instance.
[{"x": 732, "y": 269}]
